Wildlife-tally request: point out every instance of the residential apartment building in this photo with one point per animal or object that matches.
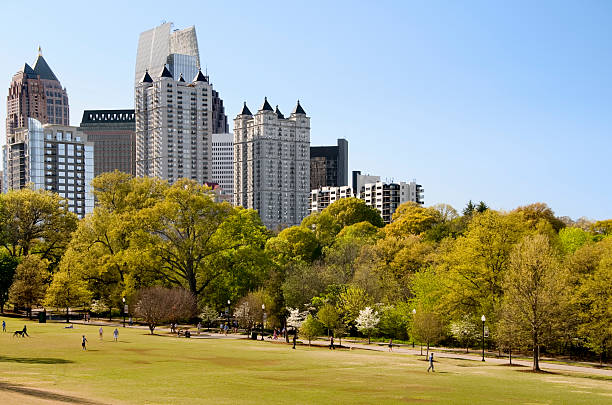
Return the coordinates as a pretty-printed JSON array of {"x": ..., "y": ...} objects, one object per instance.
[
  {"x": 113, "y": 132},
  {"x": 164, "y": 47},
  {"x": 36, "y": 93},
  {"x": 57, "y": 158},
  {"x": 322, "y": 197},
  {"x": 173, "y": 127},
  {"x": 223, "y": 164},
  {"x": 272, "y": 164},
  {"x": 329, "y": 165}
]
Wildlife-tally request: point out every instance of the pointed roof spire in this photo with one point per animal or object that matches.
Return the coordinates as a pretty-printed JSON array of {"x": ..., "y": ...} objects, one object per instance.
[
  {"x": 146, "y": 78},
  {"x": 266, "y": 106},
  {"x": 28, "y": 71},
  {"x": 181, "y": 78},
  {"x": 166, "y": 73},
  {"x": 299, "y": 109},
  {"x": 278, "y": 113},
  {"x": 200, "y": 77},
  {"x": 42, "y": 69},
  {"x": 39, "y": 51},
  {"x": 245, "y": 110}
]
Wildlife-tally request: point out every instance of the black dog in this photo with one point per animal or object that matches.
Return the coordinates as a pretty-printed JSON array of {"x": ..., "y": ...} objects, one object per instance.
[{"x": 18, "y": 333}]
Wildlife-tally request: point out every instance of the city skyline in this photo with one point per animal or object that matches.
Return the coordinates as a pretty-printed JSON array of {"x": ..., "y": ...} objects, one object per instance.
[{"x": 501, "y": 104}]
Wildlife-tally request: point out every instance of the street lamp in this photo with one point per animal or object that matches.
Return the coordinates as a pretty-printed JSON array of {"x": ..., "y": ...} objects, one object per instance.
[
  {"x": 263, "y": 320},
  {"x": 123, "y": 310},
  {"x": 228, "y": 312},
  {"x": 483, "y": 319},
  {"x": 413, "y": 314}
]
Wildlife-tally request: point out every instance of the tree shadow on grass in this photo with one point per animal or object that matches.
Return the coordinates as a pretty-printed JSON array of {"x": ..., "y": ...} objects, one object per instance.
[
  {"x": 47, "y": 395},
  {"x": 34, "y": 360}
]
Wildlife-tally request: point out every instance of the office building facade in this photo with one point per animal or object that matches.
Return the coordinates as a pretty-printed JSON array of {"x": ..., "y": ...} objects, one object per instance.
[
  {"x": 57, "y": 158},
  {"x": 322, "y": 197},
  {"x": 223, "y": 165},
  {"x": 329, "y": 165},
  {"x": 36, "y": 93},
  {"x": 113, "y": 133},
  {"x": 272, "y": 164}
]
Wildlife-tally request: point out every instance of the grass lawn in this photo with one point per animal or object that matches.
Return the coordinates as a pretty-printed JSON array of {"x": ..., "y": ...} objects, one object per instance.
[{"x": 50, "y": 367}]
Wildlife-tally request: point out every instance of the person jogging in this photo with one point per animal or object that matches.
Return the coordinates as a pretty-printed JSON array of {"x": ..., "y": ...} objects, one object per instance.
[
  {"x": 84, "y": 342},
  {"x": 431, "y": 363}
]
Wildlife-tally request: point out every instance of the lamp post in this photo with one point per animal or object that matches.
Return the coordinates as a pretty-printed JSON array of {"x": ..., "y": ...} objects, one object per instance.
[
  {"x": 483, "y": 319},
  {"x": 123, "y": 310},
  {"x": 228, "y": 312},
  {"x": 263, "y": 320},
  {"x": 413, "y": 314}
]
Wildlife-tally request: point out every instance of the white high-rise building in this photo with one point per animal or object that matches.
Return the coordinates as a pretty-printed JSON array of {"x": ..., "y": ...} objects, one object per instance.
[
  {"x": 223, "y": 164},
  {"x": 173, "y": 127},
  {"x": 272, "y": 164}
]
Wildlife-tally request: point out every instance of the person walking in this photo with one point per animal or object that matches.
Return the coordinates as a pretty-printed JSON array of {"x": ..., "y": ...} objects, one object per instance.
[
  {"x": 131, "y": 321},
  {"x": 116, "y": 334},
  {"x": 331, "y": 343},
  {"x": 294, "y": 338},
  {"x": 431, "y": 366},
  {"x": 3, "y": 326},
  {"x": 199, "y": 327},
  {"x": 84, "y": 342},
  {"x": 391, "y": 344},
  {"x": 101, "y": 333},
  {"x": 25, "y": 331}
]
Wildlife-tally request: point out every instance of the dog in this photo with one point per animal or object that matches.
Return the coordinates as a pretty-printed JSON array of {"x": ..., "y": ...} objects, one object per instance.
[{"x": 18, "y": 333}]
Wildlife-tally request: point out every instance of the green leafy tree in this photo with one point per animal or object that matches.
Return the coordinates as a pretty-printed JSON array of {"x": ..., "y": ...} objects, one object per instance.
[
  {"x": 351, "y": 301},
  {"x": 535, "y": 291},
  {"x": 427, "y": 327},
  {"x": 395, "y": 320},
  {"x": 329, "y": 317},
  {"x": 67, "y": 291},
  {"x": 572, "y": 239},
  {"x": 311, "y": 328},
  {"x": 594, "y": 300},
  {"x": 294, "y": 243},
  {"x": 30, "y": 283},
  {"x": 8, "y": 265},
  {"x": 411, "y": 218},
  {"x": 35, "y": 222}
]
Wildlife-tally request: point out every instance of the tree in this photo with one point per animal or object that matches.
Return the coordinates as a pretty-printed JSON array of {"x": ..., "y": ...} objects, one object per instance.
[
  {"x": 30, "y": 284},
  {"x": 35, "y": 222},
  {"x": 352, "y": 300},
  {"x": 248, "y": 312},
  {"x": 427, "y": 327},
  {"x": 296, "y": 317},
  {"x": 535, "y": 290},
  {"x": 294, "y": 243},
  {"x": 481, "y": 207},
  {"x": 411, "y": 218},
  {"x": 66, "y": 291},
  {"x": 537, "y": 212},
  {"x": 594, "y": 300},
  {"x": 602, "y": 227},
  {"x": 469, "y": 209},
  {"x": 394, "y": 320},
  {"x": 8, "y": 265},
  {"x": 344, "y": 212},
  {"x": 208, "y": 315},
  {"x": 572, "y": 239},
  {"x": 367, "y": 321},
  {"x": 158, "y": 304},
  {"x": 311, "y": 328},
  {"x": 187, "y": 230},
  {"x": 465, "y": 331},
  {"x": 329, "y": 317}
]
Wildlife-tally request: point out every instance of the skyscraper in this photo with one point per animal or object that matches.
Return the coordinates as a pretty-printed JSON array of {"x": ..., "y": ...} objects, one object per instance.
[
  {"x": 223, "y": 164},
  {"x": 174, "y": 127},
  {"x": 36, "y": 93},
  {"x": 113, "y": 134},
  {"x": 329, "y": 165},
  {"x": 272, "y": 164},
  {"x": 161, "y": 45},
  {"x": 53, "y": 157}
]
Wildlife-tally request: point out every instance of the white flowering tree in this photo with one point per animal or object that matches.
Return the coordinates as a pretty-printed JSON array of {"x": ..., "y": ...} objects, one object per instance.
[
  {"x": 296, "y": 318},
  {"x": 367, "y": 321},
  {"x": 465, "y": 331}
]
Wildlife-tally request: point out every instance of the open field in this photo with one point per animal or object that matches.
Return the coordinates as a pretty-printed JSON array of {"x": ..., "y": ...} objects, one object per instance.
[{"x": 50, "y": 367}]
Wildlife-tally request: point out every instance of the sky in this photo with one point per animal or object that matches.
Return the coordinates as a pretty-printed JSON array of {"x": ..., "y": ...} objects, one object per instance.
[{"x": 505, "y": 102}]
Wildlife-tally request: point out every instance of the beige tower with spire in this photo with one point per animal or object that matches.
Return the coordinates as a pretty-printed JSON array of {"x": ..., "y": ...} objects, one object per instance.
[{"x": 272, "y": 164}]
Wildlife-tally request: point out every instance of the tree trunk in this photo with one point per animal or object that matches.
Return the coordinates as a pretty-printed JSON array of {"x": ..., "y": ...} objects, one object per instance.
[
  {"x": 427, "y": 355},
  {"x": 67, "y": 315},
  {"x": 536, "y": 353},
  {"x": 510, "y": 352},
  {"x": 110, "y": 314},
  {"x": 368, "y": 338}
]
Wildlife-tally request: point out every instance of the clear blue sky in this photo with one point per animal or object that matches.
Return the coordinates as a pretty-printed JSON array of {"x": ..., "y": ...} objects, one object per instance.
[{"x": 507, "y": 103}]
